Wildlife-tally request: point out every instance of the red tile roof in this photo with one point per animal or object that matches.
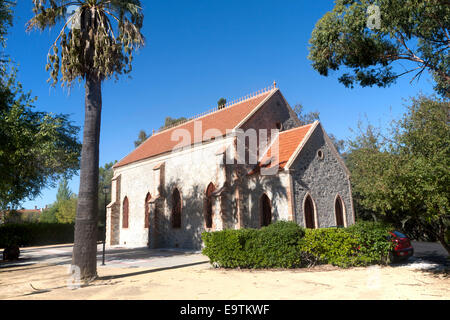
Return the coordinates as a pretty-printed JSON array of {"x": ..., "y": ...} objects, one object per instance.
[
  {"x": 221, "y": 120},
  {"x": 288, "y": 142}
]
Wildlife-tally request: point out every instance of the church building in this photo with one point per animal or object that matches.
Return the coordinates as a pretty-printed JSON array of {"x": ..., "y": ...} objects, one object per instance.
[{"x": 246, "y": 164}]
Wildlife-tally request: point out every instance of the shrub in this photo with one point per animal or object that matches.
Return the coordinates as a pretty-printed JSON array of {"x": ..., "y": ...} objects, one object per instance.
[
  {"x": 374, "y": 244},
  {"x": 287, "y": 245},
  {"x": 274, "y": 246},
  {"x": 362, "y": 244},
  {"x": 336, "y": 246},
  {"x": 225, "y": 248}
]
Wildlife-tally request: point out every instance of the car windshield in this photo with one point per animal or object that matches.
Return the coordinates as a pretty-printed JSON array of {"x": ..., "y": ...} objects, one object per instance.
[{"x": 399, "y": 234}]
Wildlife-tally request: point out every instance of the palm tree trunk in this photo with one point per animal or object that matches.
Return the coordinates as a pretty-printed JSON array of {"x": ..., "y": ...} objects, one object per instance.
[{"x": 85, "y": 243}]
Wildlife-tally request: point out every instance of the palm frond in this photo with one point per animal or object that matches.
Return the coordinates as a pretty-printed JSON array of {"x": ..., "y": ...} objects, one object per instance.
[{"x": 91, "y": 47}]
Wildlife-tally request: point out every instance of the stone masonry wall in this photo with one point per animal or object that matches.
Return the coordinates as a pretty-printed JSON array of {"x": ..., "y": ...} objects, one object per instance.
[
  {"x": 273, "y": 111},
  {"x": 323, "y": 179}
]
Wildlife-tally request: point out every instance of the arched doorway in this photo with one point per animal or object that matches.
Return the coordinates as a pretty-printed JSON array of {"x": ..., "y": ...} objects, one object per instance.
[
  {"x": 266, "y": 211},
  {"x": 309, "y": 212},
  {"x": 339, "y": 211},
  {"x": 125, "y": 213},
  {"x": 147, "y": 210},
  {"x": 176, "y": 209},
  {"x": 209, "y": 206}
]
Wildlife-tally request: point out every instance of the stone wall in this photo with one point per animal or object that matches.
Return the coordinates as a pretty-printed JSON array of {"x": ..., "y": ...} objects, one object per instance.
[
  {"x": 323, "y": 179},
  {"x": 274, "y": 111}
]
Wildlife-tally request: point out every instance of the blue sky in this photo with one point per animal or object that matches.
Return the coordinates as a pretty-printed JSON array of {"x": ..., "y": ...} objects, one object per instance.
[{"x": 197, "y": 52}]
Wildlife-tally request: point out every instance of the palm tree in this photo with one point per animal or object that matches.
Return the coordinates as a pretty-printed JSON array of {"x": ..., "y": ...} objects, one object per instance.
[{"x": 96, "y": 42}]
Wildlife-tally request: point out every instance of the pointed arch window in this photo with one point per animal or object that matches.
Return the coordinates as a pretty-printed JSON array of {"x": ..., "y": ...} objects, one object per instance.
[
  {"x": 309, "y": 212},
  {"x": 125, "y": 213},
  {"x": 176, "y": 209},
  {"x": 339, "y": 211}
]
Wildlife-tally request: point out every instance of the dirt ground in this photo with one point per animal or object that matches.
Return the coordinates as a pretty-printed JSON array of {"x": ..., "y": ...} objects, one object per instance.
[{"x": 201, "y": 281}]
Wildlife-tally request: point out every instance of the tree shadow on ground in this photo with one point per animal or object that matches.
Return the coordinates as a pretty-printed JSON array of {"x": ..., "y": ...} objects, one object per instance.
[{"x": 132, "y": 274}]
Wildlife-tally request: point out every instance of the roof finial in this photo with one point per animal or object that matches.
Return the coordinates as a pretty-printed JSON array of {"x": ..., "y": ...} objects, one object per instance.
[{"x": 274, "y": 84}]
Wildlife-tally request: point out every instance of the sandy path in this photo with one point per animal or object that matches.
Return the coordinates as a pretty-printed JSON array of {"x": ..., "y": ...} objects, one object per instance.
[{"x": 203, "y": 282}]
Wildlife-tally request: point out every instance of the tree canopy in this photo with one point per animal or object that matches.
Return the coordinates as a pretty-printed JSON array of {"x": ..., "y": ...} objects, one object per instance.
[
  {"x": 221, "y": 103},
  {"x": 67, "y": 210},
  {"x": 48, "y": 215},
  {"x": 105, "y": 176},
  {"x": 367, "y": 37},
  {"x": 406, "y": 176},
  {"x": 6, "y": 20},
  {"x": 64, "y": 192},
  {"x": 169, "y": 121},
  {"x": 142, "y": 136},
  {"x": 310, "y": 117},
  {"x": 36, "y": 148}
]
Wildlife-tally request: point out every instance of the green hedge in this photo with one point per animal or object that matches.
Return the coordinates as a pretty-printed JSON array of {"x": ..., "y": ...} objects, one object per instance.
[
  {"x": 334, "y": 246},
  {"x": 362, "y": 244},
  {"x": 375, "y": 247},
  {"x": 269, "y": 247},
  {"x": 35, "y": 234},
  {"x": 287, "y": 245}
]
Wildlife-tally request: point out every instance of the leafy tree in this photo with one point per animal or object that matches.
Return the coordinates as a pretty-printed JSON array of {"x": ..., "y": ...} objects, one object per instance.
[
  {"x": 66, "y": 203},
  {"x": 405, "y": 177},
  {"x": 6, "y": 20},
  {"x": 95, "y": 43},
  {"x": 105, "y": 176},
  {"x": 368, "y": 37},
  {"x": 221, "y": 103},
  {"x": 36, "y": 148},
  {"x": 67, "y": 210},
  {"x": 172, "y": 122},
  {"x": 141, "y": 138},
  {"x": 49, "y": 214},
  {"x": 64, "y": 192},
  {"x": 63, "y": 210},
  {"x": 306, "y": 118}
]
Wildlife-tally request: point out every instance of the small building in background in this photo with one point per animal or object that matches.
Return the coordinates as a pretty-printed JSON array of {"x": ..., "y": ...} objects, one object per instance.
[{"x": 21, "y": 215}]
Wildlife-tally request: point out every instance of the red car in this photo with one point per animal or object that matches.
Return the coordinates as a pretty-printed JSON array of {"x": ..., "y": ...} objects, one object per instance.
[{"x": 403, "y": 248}]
